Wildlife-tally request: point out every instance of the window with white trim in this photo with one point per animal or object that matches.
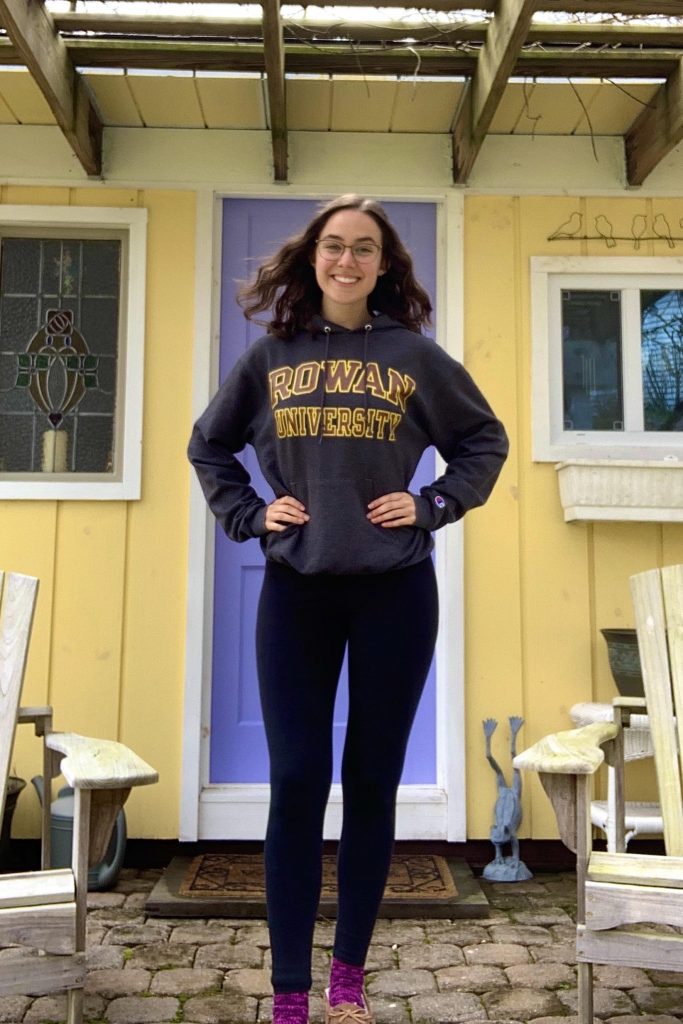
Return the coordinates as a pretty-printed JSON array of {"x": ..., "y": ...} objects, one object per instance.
[
  {"x": 607, "y": 358},
  {"x": 71, "y": 351}
]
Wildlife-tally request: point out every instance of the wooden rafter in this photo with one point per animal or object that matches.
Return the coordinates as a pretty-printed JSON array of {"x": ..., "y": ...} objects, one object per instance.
[
  {"x": 274, "y": 60},
  {"x": 656, "y": 130},
  {"x": 39, "y": 46},
  {"x": 496, "y": 60}
]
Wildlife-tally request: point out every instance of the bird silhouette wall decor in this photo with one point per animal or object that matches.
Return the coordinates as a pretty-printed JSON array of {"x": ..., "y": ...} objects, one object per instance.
[{"x": 603, "y": 230}]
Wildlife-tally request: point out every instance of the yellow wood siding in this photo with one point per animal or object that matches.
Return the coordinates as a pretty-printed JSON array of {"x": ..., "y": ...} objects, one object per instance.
[
  {"x": 110, "y": 630},
  {"x": 538, "y": 590}
]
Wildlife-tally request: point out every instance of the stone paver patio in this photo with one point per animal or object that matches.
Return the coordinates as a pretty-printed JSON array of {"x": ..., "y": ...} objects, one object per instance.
[{"x": 516, "y": 965}]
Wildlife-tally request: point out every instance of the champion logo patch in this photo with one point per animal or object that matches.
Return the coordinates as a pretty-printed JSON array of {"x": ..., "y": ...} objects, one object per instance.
[{"x": 439, "y": 502}]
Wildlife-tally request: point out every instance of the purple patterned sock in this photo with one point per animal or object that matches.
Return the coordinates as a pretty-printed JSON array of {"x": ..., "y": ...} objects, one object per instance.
[
  {"x": 346, "y": 983},
  {"x": 290, "y": 1008}
]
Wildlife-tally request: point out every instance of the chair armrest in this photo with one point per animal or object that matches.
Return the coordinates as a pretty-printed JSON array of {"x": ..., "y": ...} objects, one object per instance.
[
  {"x": 99, "y": 764},
  {"x": 574, "y": 752},
  {"x": 562, "y": 760},
  {"x": 638, "y": 704},
  {"x": 41, "y": 718}
]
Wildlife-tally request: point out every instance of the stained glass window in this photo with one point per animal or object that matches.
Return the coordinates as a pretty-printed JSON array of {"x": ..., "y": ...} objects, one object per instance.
[{"x": 60, "y": 316}]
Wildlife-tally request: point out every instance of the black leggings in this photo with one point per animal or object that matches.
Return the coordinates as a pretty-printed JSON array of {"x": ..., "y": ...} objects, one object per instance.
[{"x": 304, "y": 624}]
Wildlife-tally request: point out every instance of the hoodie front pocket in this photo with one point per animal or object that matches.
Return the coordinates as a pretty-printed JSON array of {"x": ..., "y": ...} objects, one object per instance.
[{"x": 339, "y": 537}]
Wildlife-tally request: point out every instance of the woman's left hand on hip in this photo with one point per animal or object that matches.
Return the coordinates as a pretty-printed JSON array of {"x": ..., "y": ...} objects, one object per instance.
[{"x": 395, "y": 509}]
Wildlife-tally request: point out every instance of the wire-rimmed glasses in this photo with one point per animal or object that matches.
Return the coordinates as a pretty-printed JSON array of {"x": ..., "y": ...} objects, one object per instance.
[{"x": 333, "y": 249}]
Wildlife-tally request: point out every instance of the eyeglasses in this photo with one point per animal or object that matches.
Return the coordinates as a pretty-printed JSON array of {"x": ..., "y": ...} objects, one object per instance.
[{"x": 362, "y": 252}]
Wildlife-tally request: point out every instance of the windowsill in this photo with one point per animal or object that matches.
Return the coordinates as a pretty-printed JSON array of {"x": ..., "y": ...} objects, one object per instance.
[{"x": 621, "y": 490}]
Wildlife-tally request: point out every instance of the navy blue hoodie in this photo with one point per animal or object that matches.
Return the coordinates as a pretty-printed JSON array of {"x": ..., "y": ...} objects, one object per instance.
[{"x": 337, "y": 419}]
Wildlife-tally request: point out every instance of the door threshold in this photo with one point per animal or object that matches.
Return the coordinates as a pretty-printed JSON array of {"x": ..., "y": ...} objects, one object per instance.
[{"x": 240, "y": 811}]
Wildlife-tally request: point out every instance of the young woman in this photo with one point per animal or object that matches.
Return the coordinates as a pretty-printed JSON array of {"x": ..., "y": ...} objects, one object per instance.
[{"x": 339, "y": 399}]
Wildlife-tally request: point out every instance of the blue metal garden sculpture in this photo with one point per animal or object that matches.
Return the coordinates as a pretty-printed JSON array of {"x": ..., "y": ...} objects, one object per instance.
[{"x": 508, "y": 812}]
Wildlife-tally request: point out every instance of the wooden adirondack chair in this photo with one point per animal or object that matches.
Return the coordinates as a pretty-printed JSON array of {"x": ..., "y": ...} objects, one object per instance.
[
  {"x": 46, "y": 910},
  {"x": 619, "y": 890}
]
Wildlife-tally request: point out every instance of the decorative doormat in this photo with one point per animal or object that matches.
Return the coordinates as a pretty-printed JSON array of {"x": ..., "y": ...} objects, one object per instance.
[{"x": 232, "y": 885}]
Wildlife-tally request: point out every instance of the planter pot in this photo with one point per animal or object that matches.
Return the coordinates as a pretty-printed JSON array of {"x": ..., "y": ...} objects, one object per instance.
[
  {"x": 618, "y": 490},
  {"x": 14, "y": 788},
  {"x": 624, "y": 661}
]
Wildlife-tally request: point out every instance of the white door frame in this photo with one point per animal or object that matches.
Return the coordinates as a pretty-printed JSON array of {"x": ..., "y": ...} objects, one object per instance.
[{"x": 239, "y": 811}]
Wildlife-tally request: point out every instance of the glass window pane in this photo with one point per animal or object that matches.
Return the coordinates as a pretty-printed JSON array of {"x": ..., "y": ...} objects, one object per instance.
[
  {"x": 20, "y": 266},
  {"x": 103, "y": 397},
  {"x": 18, "y": 321},
  {"x": 100, "y": 323},
  {"x": 101, "y": 268},
  {"x": 16, "y": 444},
  {"x": 591, "y": 360},
  {"x": 662, "y": 358},
  {"x": 94, "y": 453},
  {"x": 51, "y": 266},
  {"x": 59, "y": 331}
]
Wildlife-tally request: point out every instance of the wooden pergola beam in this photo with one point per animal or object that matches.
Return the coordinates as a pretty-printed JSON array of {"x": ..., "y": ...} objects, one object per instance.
[
  {"x": 656, "y": 130},
  {"x": 274, "y": 60},
  {"x": 346, "y": 58},
  {"x": 495, "y": 63},
  {"x": 632, "y": 8},
  {"x": 33, "y": 34},
  {"x": 465, "y": 31}
]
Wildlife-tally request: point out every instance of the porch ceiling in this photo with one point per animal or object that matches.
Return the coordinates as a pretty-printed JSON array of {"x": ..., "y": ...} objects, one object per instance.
[{"x": 599, "y": 67}]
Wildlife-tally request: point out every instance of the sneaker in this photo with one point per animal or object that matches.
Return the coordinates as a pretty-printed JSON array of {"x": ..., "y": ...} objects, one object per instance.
[{"x": 347, "y": 1013}]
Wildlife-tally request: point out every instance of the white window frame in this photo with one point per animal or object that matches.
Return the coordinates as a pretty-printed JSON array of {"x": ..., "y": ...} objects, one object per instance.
[
  {"x": 549, "y": 275},
  {"x": 125, "y": 481}
]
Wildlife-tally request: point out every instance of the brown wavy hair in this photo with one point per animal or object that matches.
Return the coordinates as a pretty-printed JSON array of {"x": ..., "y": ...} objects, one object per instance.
[{"x": 285, "y": 283}]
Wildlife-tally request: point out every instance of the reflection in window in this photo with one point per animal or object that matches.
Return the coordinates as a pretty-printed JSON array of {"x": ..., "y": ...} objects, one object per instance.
[
  {"x": 59, "y": 336},
  {"x": 591, "y": 360},
  {"x": 662, "y": 359}
]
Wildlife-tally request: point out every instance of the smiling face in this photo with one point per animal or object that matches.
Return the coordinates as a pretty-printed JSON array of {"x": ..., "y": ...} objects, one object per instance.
[{"x": 344, "y": 282}]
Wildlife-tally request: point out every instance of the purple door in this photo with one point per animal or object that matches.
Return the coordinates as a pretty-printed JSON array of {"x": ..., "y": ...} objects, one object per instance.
[{"x": 252, "y": 229}]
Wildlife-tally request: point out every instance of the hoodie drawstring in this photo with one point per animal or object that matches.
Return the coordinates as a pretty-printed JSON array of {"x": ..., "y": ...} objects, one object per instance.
[
  {"x": 328, "y": 331},
  {"x": 366, "y": 334}
]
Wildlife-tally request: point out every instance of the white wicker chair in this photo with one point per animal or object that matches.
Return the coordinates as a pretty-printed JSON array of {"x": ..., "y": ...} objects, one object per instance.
[{"x": 641, "y": 818}]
